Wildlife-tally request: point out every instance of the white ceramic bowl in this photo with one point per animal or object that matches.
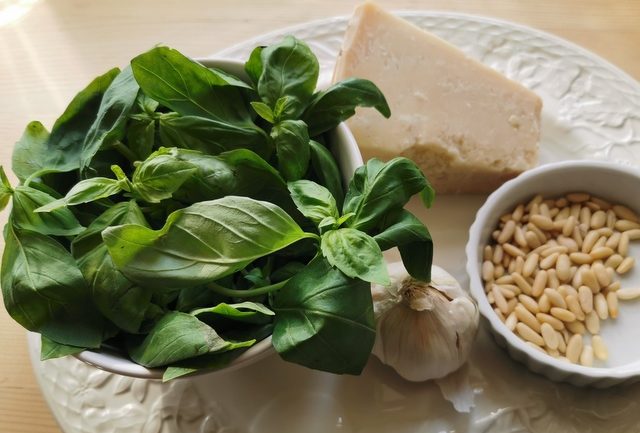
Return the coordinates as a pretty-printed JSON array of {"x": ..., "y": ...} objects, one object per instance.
[
  {"x": 616, "y": 183},
  {"x": 346, "y": 151}
]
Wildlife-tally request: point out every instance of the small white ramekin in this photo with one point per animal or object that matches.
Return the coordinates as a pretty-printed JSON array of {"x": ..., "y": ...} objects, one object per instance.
[{"x": 612, "y": 182}]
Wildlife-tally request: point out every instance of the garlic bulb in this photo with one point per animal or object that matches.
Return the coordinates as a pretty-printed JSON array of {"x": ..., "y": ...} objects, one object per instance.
[{"x": 424, "y": 330}]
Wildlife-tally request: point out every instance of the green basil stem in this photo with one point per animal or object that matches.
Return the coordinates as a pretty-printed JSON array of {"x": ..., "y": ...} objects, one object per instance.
[
  {"x": 249, "y": 293},
  {"x": 125, "y": 151}
]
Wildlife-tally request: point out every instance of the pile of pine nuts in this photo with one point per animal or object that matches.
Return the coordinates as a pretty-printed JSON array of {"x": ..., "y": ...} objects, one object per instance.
[{"x": 550, "y": 272}]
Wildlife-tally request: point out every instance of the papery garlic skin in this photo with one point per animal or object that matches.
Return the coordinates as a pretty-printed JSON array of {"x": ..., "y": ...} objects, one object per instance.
[{"x": 424, "y": 330}]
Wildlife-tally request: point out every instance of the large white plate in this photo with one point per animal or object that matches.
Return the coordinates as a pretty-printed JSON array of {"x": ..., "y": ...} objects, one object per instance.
[{"x": 591, "y": 110}]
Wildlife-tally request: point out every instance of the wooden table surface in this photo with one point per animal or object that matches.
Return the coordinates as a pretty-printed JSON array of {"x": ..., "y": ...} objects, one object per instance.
[{"x": 50, "y": 49}]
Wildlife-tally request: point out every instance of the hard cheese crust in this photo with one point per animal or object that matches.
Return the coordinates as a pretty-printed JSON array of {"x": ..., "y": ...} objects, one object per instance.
[{"x": 467, "y": 126}]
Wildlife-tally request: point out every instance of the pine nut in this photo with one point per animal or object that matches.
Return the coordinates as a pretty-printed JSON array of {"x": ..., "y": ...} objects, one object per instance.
[
  {"x": 508, "y": 294},
  {"x": 577, "y": 236},
  {"x": 498, "y": 271},
  {"x": 518, "y": 212},
  {"x": 585, "y": 217},
  {"x": 536, "y": 347},
  {"x": 624, "y": 225},
  {"x": 541, "y": 236},
  {"x": 602, "y": 252},
  {"x": 600, "y": 306},
  {"x": 562, "y": 345},
  {"x": 578, "y": 197},
  {"x": 511, "y": 321},
  {"x": 530, "y": 265},
  {"x": 542, "y": 222},
  {"x": 529, "y": 303},
  {"x": 487, "y": 271},
  {"x": 575, "y": 327},
  {"x": 623, "y": 245},
  {"x": 552, "y": 278},
  {"x": 562, "y": 214},
  {"x": 626, "y": 265},
  {"x": 581, "y": 258},
  {"x": 566, "y": 290},
  {"x": 549, "y": 261},
  {"x": 588, "y": 278},
  {"x": 611, "y": 219},
  {"x": 536, "y": 200},
  {"x": 614, "y": 261},
  {"x": 569, "y": 225},
  {"x": 518, "y": 236},
  {"x": 544, "y": 304},
  {"x": 554, "y": 352},
  {"x": 634, "y": 234},
  {"x": 563, "y": 314},
  {"x": 555, "y": 323},
  {"x": 592, "y": 322},
  {"x": 612, "y": 304},
  {"x": 625, "y": 213},
  {"x": 599, "y": 243},
  {"x": 490, "y": 297},
  {"x": 522, "y": 283},
  {"x": 585, "y": 297},
  {"x": 499, "y": 314},
  {"x": 527, "y": 318},
  {"x": 563, "y": 265},
  {"x": 589, "y": 241},
  {"x": 598, "y": 219},
  {"x": 574, "y": 306},
  {"x": 574, "y": 348},
  {"x": 601, "y": 274},
  {"x": 507, "y": 231},
  {"x": 549, "y": 336},
  {"x": 556, "y": 249},
  {"x": 613, "y": 241},
  {"x": 505, "y": 279},
  {"x": 555, "y": 298},
  {"x": 512, "y": 250},
  {"x": 586, "y": 357},
  {"x": 614, "y": 287},
  {"x": 500, "y": 301},
  {"x": 529, "y": 334},
  {"x": 511, "y": 305},
  {"x": 628, "y": 293},
  {"x": 599, "y": 348},
  {"x": 532, "y": 240}
]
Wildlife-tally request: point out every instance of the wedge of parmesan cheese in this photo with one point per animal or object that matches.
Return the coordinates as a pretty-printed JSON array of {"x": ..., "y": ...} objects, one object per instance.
[{"x": 466, "y": 125}]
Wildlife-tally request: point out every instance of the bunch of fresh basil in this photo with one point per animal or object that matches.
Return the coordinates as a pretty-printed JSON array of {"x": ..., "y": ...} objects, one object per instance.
[{"x": 180, "y": 214}]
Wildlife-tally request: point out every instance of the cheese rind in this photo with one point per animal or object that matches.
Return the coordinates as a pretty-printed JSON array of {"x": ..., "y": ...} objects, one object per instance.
[{"x": 466, "y": 125}]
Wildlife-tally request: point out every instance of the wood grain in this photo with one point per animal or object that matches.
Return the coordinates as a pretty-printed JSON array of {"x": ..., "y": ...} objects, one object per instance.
[{"x": 57, "y": 46}]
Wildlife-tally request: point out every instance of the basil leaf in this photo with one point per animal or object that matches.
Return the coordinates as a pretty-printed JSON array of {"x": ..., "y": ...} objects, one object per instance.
[
  {"x": 117, "y": 298},
  {"x": 289, "y": 68},
  {"x": 378, "y": 188},
  {"x": 313, "y": 201},
  {"x": 202, "y": 243},
  {"x": 338, "y": 103},
  {"x": 6, "y": 190},
  {"x": 263, "y": 110},
  {"x": 292, "y": 148},
  {"x": 409, "y": 234},
  {"x": 213, "y": 361},
  {"x": 190, "y": 88},
  {"x": 253, "y": 66},
  {"x": 212, "y": 136},
  {"x": 356, "y": 254},
  {"x": 44, "y": 290},
  {"x": 178, "y": 336},
  {"x": 248, "y": 312},
  {"x": 85, "y": 191},
  {"x": 159, "y": 176},
  {"x": 30, "y": 152},
  {"x": 326, "y": 169},
  {"x": 61, "y": 151},
  {"x": 59, "y": 222},
  {"x": 113, "y": 114},
  {"x": 324, "y": 320},
  {"x": 49, "y": 349}
]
